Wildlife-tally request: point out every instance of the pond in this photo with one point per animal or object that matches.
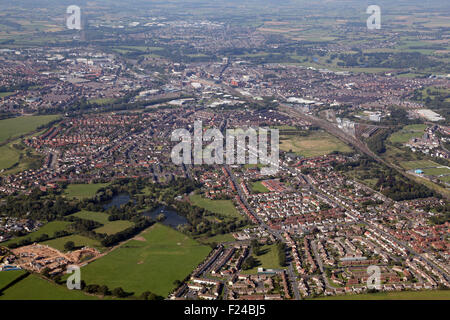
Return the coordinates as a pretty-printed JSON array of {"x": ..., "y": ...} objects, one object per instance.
[
  {"x": 173, "y": 219},
  {"x": 117, "y": 201}
]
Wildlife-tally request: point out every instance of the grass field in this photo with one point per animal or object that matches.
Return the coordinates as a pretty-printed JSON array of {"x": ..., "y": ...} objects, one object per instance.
[
  {"x": 228, "y": 237},
  {"x": 316, "y": 144},
  {"x": 407, "y": 133},
  {"x": 419, "y": 164},
  {"x": 436, "y": 171},
  {"x": 16, "y": 127},
  {"x": 83, "y": 191},
  {"x": 6, "y": 277},
  {"x": 268, "y": 260},
  {"x": 257, "y": 187},
  {"x": 152, "y": 261},
  {"x": 109, "y": 227},
  {"x": 80, "y": 241},
  {"x": 9, "y": 156},
  {"x": 114, "y": 227},
  {"x": 100, "y": 217},
  {"x": 35, "y": 288},
  {"x": 222, "y": 207},
  {"x": 404, "y": 295},
  {"x": 49, "y": 229}
]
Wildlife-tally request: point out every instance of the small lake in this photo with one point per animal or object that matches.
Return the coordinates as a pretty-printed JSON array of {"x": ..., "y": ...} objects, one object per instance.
[
  {"x": 173, "y": 219},
  {"x": 117, "y": 201}
]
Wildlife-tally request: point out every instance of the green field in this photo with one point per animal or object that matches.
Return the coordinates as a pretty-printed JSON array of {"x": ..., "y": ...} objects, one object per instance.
[
  {"x": 99, "y": 217},
  {"x": 437, "y": 171},
  {"x": 109, "y": 227},
  {"x": 258, "y": 187},
  {"x": 407, "y": 133},
  {"x": 419, "y": 164},
  {"x": 316, "y": 144},
  {"x": 152, "y": 261},
  {"x": 9, "y": 156},
  {"x": 83, "y": 191},
  {"x": 222, "y": 207},
  {"x": 267, "y": 260},
  {"x": 35, "y": 288},
  {"x": 228, "y": 237},
  {"x": 48, "y": 229},
  {"x": 114, "y": 227},
  {"x": 15, "y": 127},
  {"x": 80, "y": 241},
  {"x": 404, "y": 295},
  {"x": 6, "y": 277}
]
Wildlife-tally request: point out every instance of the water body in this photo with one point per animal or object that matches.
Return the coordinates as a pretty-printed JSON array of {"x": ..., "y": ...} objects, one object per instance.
[
  {"x": 173, "y": 219},
  {"x": 117, "y": 201}
]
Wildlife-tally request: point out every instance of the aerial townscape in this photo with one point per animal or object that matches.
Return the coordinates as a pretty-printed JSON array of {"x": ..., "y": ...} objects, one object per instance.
[{"x": 357, "y": 208}]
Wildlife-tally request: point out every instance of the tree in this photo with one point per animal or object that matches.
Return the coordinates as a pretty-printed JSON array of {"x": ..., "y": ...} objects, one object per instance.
[
  {"x": 250, "y": 263},
  {"x": 147, "y": 295},
  {"x": 69, "y": 245},
  {"x": 104, "y": 290},
  {"x": 119, "y": 293},
  {"x": 177, "y": 283}
]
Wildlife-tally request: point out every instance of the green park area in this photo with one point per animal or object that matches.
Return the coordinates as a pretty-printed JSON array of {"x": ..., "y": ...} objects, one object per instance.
[
  {"x": 315, "y": 144},
  {"x": 83, "y": 191},
  {"x": 268, "y": 259},
  {"x": 152, "y": 261},
  {"x": 258, "y": 187},
  {"x": 221, "y": 207}
]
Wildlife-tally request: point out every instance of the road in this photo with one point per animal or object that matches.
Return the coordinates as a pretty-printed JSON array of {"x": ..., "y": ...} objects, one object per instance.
[{"x": 320, "y": 264}]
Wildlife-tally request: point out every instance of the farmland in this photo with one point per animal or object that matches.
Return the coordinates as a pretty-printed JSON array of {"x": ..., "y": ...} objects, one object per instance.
[{"x": 152, "y": 261}]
